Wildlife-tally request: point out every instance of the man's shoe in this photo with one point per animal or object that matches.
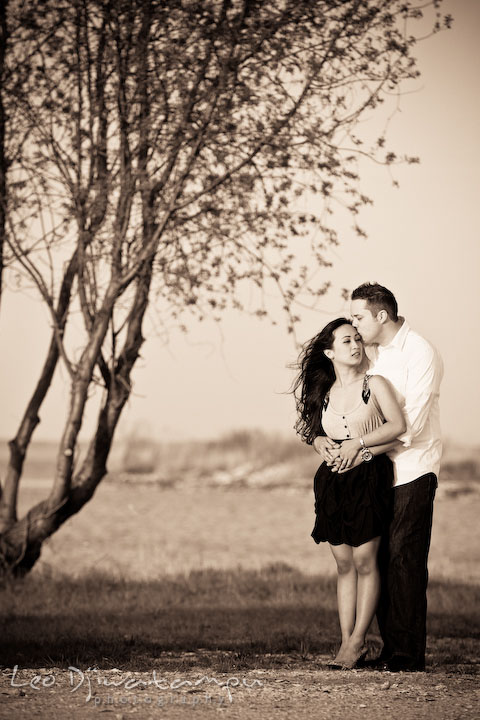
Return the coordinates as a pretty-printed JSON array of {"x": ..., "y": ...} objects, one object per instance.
[
  {"x": 402, "y": 663},
  {"x": 378, "y": 663}
]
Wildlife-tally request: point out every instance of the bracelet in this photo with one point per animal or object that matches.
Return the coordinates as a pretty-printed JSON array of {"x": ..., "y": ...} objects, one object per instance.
[{"x": 365, "y": 452}]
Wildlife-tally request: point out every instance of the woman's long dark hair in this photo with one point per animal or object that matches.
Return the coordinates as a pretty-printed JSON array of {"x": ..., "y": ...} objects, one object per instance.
[{"x": 314, "y": 380}]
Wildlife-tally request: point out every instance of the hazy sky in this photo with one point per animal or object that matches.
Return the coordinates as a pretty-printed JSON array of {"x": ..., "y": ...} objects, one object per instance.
[{"x": 423, "y": 243}]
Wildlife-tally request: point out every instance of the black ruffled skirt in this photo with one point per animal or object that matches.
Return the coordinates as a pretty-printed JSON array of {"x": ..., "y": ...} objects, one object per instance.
[{"x": 353, "y": 507}]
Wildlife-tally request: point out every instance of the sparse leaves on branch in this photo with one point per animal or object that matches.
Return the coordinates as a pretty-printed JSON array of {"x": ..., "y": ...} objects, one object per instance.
[
  {"x": 172, "y": 153},
  {"x": 221, "y": 118}
]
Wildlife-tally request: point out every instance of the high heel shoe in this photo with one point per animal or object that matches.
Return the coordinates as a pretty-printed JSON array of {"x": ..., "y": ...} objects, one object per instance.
[
  {"x": 337, "y": 662},
  {"x": 357, "y": 662}
]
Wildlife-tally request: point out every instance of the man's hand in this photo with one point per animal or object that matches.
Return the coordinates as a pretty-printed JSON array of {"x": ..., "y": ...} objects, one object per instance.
[{"x": 326, "y": 448}]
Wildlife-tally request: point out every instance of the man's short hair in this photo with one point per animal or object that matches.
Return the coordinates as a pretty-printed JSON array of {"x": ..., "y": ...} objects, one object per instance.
[{"x": 377, "y": 298}]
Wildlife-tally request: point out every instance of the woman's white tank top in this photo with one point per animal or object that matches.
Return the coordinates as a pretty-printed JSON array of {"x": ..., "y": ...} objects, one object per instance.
[{"x": 362, "y": 419}]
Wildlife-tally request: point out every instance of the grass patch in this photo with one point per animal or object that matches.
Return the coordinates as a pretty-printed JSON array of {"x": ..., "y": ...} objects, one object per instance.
[
  {"x": 241, "y": 452},
  {"x": 213, "y": 618}
]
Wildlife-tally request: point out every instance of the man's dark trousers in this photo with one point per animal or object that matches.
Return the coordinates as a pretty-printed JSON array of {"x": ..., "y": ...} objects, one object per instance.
[{"x": 402, "y": 609}]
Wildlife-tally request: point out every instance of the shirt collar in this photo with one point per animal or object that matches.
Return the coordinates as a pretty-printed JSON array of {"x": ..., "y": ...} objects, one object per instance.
[{"x": 398, "y": 339}]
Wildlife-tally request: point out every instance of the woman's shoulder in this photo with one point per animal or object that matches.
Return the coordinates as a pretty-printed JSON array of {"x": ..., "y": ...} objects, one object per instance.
[
  {"x": 376, "y": 381},
  {"x": 378, "y": 384}
]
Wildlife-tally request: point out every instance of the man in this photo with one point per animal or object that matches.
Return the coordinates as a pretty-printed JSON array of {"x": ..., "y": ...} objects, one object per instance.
[{"x": 414, "y": 369}]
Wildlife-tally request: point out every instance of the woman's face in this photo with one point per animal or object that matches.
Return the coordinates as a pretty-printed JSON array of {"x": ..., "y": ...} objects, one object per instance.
[{"x": 347, "y": 346}]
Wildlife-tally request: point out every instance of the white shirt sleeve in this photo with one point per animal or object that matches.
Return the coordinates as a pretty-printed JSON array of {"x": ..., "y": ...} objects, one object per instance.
[{"x": 423, "y": 381}]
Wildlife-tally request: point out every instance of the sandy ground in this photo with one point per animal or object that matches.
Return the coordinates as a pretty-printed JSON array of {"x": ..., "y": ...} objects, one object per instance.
[
  {"x": 304, "y": 691},
  {"x": 231, "y": 529}
]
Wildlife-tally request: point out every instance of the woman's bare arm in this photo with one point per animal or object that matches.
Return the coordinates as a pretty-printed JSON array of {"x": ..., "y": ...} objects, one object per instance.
[{"x": 374, "y": 449}]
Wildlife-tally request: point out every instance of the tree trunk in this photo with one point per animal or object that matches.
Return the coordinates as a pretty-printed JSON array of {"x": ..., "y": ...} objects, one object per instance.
[
  {"x": 3, "y": 159},
  {"x": 19, "y": 445},
  {"x": 21, "y": 543}
]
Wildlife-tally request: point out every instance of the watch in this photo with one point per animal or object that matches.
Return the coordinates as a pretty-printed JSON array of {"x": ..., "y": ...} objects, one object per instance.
[
  {"x": 366, "y": 455},
  {"x": 365, "y": 452}
]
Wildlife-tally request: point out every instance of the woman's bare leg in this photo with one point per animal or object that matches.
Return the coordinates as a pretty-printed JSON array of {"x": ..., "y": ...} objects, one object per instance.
[
  {"x": 346, "y": 593},
  {"x": 368, "y": 591}
]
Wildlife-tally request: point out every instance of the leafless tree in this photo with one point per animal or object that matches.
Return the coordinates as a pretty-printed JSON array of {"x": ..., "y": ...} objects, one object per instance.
[{"x": 155, "y": 151}]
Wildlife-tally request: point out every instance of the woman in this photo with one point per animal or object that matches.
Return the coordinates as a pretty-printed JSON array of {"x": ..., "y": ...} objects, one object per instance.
[{"x": 335, "y": 397}]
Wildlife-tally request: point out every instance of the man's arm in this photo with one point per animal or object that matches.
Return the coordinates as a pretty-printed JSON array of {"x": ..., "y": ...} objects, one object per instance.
[
  {"x": 375, "y": 450},
  {"x": 424, "y": 374}
]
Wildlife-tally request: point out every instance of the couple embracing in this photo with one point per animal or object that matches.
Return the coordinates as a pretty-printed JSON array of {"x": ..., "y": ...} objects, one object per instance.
[{"x": 374, "y": 420}]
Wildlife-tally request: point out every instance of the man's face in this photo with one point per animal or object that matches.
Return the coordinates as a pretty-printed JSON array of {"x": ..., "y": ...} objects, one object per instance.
[{"x": 362, "y": 319}]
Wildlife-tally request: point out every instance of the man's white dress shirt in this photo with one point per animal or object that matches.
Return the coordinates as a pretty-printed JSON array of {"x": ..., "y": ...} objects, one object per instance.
[{"x": 415, "y": 370}]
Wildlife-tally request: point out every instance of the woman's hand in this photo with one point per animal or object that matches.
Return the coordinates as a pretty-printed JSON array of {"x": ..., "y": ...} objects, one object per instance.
[
  {"x": 348, "y": 453},
  {"x": 358, "y": 461}
]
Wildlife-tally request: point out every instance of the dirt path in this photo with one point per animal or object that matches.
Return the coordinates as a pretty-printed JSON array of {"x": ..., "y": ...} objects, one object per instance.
[{"x": 303, "y": 690}]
